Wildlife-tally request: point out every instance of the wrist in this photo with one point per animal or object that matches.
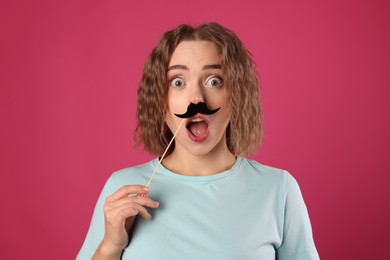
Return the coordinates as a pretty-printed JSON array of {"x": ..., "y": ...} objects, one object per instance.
[{"x": 107, "y": 251}]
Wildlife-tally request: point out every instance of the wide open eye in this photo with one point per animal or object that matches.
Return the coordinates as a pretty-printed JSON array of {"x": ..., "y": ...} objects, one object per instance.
[
  {"x": 177, "y": 82},
  {"x": 214, "y": 81}
]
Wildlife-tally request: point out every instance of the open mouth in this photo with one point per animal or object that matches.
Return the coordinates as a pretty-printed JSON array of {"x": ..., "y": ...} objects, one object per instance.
[{"x": 197, "y": 127}]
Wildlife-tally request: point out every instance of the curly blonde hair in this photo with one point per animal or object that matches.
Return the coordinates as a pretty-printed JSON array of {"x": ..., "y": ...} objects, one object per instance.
[{"x": 244, "y": 132}]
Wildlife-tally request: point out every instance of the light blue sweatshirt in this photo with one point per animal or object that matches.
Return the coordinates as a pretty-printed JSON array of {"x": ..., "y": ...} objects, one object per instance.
[{"x": 251, "y": 211}]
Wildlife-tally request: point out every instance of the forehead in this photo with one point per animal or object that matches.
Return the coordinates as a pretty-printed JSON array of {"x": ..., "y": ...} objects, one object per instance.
[{"x": 190, "y": 52}]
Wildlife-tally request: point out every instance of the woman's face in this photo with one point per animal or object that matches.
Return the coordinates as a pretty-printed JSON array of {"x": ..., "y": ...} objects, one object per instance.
[{"x": 195, "y": 75}]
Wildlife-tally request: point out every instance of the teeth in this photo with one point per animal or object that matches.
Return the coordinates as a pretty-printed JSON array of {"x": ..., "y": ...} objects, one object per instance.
[{"x": 197, "y": 120}]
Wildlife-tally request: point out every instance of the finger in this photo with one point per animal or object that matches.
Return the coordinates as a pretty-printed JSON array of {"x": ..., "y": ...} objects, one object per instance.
[
  {"x": 143, "y": 201},
  {"x": 143, "y": 212},
  {"x": 127, "y": 190},
  {"x": 127, "y": 210},
  {"x": 118, "y": 215}
]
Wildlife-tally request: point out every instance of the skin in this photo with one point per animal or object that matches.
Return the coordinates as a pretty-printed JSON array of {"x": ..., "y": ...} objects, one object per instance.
[
  {"x": 192, "y": 67},
  {"x": 120, "y": 211},
  {"x": 191, "y": 79}
]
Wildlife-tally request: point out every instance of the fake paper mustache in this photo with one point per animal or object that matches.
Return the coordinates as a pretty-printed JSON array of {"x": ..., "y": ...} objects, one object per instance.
[{"x": 193, "y": 109}]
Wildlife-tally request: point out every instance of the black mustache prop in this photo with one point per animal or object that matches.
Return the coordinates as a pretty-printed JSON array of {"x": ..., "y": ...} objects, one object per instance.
[{"x": 193, "y": 109}]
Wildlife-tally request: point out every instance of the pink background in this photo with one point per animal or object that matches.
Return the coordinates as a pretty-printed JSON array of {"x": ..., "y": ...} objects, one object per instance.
[{"x": 69, "y": 73}]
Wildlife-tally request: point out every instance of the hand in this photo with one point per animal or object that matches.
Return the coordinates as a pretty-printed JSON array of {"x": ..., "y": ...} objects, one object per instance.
[{"x": 120, "y": 211}]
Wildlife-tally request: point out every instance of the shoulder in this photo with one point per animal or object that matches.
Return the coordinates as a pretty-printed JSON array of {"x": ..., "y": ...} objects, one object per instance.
[
  {"x": 138, "y": 174},
  {"x": 265, "y": 171},
  {"x": 268, "y": 175},
  {"x": 261, "y": 168}
]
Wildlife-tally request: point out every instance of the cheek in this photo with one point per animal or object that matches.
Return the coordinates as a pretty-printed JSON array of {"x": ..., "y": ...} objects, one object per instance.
[
  {"x": 227, "y": 114},
  {"x": 223, "y": 99},
  {"x": 225, "y": 104},
  {"x": 176, "y": 105},
  {"x": 169, "y": 121},
  {"x": 172, "y": 107}
]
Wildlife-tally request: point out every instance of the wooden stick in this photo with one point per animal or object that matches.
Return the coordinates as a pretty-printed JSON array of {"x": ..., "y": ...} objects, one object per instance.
[{"x": 162, "y": 157}]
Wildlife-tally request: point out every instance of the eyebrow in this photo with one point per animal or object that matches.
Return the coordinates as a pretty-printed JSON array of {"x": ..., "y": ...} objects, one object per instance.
[
  {"x": 212, "y": 66},
  {"x": 177, "y": 67},
  {"x": 205, "y": 67}
]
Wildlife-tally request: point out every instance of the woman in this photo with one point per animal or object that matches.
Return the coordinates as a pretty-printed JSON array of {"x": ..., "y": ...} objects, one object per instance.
[{"x": 206, "y": 201}]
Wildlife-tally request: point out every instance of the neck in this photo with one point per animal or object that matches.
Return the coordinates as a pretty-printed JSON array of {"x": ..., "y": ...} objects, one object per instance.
[{"x": 182, "y": 162}]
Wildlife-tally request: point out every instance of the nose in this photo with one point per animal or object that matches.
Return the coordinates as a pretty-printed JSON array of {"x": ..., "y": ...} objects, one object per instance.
[{"x": 197, "y": 94}]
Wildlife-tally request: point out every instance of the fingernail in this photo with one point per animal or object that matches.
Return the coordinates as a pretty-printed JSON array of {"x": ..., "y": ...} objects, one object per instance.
[
  {"x": 156, "y": 203},
  {"x": 149, "y": 216},
  {"x": 146, "y": 188}
]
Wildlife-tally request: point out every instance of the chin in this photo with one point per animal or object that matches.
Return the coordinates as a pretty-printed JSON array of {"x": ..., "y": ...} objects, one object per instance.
[
  {"x": 199, "y": 151},
  {"x": 207, "y": 148}
]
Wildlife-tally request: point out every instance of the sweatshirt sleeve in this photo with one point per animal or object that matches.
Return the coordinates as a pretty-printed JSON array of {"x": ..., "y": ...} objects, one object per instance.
[
  {"x": 297, "y": 242},
  {"x": 96, "y": 229}
]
